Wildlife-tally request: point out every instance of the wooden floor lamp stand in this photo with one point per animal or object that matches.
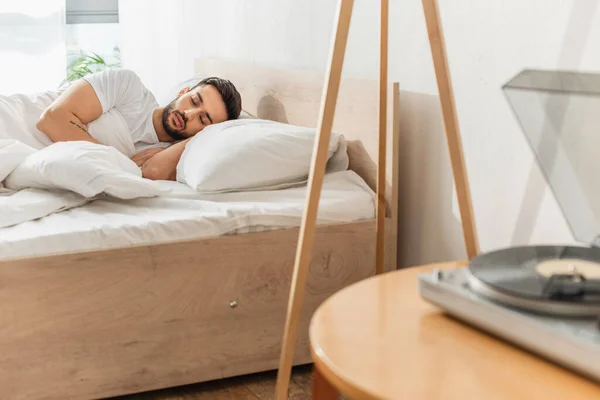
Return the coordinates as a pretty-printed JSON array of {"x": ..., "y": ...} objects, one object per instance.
[{"x": 317, "y": 171}]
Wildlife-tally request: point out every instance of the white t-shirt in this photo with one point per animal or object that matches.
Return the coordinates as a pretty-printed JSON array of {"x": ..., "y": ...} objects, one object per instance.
[
  {"x": 122, "y": 90},
  {"x": 127, "y": 107}
]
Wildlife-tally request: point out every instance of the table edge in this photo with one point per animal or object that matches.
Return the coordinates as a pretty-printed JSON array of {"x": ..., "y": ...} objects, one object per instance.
[{"x": 344, "y": 386}]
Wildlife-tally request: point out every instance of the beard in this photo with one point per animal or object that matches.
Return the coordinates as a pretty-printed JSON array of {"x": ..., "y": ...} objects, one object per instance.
[{"x": 171, "y": 131}]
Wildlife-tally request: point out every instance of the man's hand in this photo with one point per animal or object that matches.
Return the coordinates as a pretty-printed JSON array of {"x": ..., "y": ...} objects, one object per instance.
[
  {"x": 162, "y": 165},
  {"x": 143, "y": 156}
]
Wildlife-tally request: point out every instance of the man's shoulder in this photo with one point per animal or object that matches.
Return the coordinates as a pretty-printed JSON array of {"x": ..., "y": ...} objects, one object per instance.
[
  {"x": 127, "y": 80},
  {"x": 115, "y": 74},
  {"x": 131, "y": 79},
  {"x": 123, "y": 74}
]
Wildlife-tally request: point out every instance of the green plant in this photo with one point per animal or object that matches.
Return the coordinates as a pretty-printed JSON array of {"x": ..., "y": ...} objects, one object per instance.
[{"x": 83, "y": 63}]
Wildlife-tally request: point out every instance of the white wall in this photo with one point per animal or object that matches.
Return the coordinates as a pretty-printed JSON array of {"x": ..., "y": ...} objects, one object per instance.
[{"x": 488, "y": 42}]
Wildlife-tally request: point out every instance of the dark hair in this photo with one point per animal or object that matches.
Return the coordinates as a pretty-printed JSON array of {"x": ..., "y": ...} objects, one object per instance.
[{"x": 231, "y": 97}]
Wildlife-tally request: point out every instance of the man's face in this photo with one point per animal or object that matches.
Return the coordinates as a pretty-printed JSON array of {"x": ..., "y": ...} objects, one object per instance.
[{"x": 192, "y": 111}]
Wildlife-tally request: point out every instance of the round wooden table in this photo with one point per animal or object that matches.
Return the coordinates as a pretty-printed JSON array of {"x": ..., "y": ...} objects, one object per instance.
[{"x": 377, "y": 339}]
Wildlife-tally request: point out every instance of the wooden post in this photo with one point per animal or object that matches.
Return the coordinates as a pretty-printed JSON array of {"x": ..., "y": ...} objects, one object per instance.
[
  {"x": 315, "y": 181},
  {"x": 395, "y": 176},
  {"x": 440, "y": 64},
  {"x": 381, "y": 158}
]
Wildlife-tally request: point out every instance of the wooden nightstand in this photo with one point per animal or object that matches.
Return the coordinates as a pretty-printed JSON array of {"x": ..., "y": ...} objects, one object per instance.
[{"x": 377, "y": 339}]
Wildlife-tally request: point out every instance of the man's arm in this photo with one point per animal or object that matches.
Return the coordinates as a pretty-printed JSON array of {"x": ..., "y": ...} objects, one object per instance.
[
  {"x": 163, "y": 165},
  {"x": 65, "y": 119}
]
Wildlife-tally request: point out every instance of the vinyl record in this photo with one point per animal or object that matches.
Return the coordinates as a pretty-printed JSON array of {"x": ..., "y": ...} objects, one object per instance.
[{"x": 557, "y": 280}]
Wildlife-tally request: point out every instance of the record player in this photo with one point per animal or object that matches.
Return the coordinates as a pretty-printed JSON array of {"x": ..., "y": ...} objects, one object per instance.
[{"x": 546, "y": 298}]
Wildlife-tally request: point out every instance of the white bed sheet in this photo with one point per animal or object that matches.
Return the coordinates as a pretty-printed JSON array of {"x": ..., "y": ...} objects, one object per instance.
[{"x": 184, "y": 214}]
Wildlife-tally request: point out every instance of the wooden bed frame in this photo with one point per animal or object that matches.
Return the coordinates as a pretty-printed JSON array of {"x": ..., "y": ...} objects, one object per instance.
[{"x": 111, "y": 322}]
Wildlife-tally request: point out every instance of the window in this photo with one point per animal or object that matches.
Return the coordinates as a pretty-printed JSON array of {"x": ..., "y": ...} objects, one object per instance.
[
  {"x": 92, "y": 11},
  {"x": 32, "y": 45},
  {"x": 92, "y": 36}
]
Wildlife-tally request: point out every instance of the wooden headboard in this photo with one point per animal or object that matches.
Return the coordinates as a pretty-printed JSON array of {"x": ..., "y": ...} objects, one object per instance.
[{"x": 294, "y": 97}]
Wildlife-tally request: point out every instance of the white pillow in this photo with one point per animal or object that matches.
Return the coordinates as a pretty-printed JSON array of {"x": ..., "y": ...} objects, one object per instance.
[
  {"x": 82, "y": 167},
  {"x": 250, "y": 154}
]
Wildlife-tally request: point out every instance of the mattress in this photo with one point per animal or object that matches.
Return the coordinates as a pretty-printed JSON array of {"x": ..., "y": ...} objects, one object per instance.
[{"x": 183, "y": 214}]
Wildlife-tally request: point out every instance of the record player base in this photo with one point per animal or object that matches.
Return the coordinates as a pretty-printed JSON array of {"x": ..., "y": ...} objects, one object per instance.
[{"x": 571, "y": 342}]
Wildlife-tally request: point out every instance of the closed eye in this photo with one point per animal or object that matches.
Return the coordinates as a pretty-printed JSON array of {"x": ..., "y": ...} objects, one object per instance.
[{"x": 196, "y": 100}]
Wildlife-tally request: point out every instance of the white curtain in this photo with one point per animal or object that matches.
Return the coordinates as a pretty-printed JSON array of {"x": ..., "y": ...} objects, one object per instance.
[{"x": 32, "y": 45}]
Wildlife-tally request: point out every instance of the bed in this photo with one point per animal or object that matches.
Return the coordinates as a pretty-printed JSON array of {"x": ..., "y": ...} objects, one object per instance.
[{"x": 88, "y": 311}]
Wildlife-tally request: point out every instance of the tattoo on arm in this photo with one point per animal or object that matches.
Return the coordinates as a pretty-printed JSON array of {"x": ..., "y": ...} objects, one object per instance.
[{"x": 79, "y": 126}]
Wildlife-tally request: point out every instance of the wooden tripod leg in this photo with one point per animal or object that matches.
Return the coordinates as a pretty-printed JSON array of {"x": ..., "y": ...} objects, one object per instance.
[
  {"x": 381, "y": 157},
  {"x": 315, "y": 181},
  {"x": 440, "y": 63}
]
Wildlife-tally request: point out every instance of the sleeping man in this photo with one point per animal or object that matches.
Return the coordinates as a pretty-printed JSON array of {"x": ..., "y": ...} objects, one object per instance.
[{"x": 118, "y": 101}]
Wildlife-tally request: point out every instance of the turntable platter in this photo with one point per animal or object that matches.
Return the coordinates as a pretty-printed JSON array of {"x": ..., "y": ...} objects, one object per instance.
[{"x": 559, "y": 280}]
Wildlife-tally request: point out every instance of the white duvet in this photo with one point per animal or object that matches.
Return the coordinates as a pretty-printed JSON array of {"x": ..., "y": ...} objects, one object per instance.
[
  {"x": 36, "y": 183},
  {"x": 39, "y": 177}
]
